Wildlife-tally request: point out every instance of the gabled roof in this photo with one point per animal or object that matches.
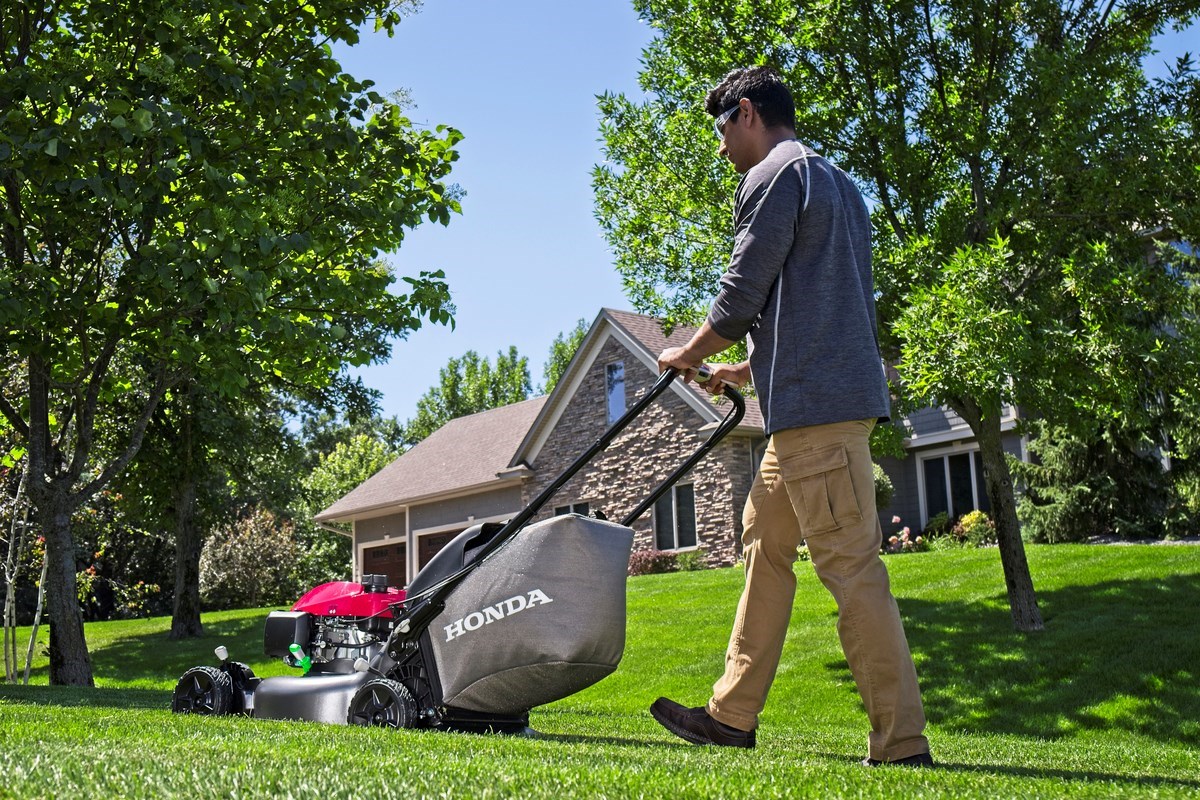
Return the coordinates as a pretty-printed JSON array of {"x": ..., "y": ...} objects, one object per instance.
[
  {"x": 465, "y": 453},
  {"x": 643, "y": 337},
  {"x": 488, "y": 450}
]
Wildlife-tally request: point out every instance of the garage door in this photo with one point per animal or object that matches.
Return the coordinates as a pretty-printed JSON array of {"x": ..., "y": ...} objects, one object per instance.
[
  {"x": 430, "y": 543},
  {"x": 390, "y": 560}
]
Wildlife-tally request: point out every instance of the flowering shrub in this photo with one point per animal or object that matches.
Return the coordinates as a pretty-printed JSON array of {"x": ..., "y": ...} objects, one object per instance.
[
  {"x": 652, "y": 562},
  {"x": 903, "y": 541},
  {"x": 974, "y": 529}
]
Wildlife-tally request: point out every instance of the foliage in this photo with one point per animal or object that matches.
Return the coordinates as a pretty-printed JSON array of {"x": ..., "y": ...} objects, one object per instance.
[
  {"x": 938, "y": 525},
  {"x": 904, "y": 540},
  {"x": 249, "y": 561},
  {"x": 884, "y": 490},
  {"x": 1015, "y": 159},
  {"x": 468, "y": 385},
  {"x": 125, "y": 565},
  {"x": 323, "y": 555},
  {"x": 192, "y": 192},
  {"x": 691, "y": 560},
  {"x": 562, "y": 350},
  {"x": 653, "y": 562},
  {"x": 974, "y": 529}
]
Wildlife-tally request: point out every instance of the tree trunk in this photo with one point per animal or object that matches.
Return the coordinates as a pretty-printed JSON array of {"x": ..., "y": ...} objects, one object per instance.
[
  {"x": 1022, "y": 601},
  {"x": 70, "y": 664},
  {"x": 185, "y": 617}
]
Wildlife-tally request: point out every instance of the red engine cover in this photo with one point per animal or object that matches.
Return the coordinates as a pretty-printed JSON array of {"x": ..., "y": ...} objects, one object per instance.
[{"x": 347, "y": 599}]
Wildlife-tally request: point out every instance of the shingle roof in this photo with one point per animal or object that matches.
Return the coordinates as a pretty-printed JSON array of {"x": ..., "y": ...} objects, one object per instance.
[
  {"x": 465, "y": 452},
  {"x": 473, "y": 451}
]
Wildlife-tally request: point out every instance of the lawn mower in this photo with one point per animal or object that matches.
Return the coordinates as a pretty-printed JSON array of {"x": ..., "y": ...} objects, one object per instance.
[{"x": 504, "y": 618}]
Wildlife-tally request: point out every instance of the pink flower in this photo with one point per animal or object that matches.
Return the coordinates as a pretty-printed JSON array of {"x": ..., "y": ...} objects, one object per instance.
[
  {"x": 895, "y": 520},
  {"x": 906, "y": 530}
]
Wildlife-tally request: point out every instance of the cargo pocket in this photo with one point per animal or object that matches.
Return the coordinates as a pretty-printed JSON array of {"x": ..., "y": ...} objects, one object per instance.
[{"x": 820, "y": 486}]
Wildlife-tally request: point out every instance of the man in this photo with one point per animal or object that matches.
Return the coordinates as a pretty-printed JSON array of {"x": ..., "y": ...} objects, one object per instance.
[{"x": 799, "y": 284}]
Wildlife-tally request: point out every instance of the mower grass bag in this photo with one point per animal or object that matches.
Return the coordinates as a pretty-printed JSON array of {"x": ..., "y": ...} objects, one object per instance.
[{"x": 541, "y": 619}]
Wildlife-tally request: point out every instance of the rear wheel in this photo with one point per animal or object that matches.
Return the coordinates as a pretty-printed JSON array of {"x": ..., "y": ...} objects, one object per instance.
[
  {"x": 203, "y": 690},
  {"x": 383, "y": 703}
]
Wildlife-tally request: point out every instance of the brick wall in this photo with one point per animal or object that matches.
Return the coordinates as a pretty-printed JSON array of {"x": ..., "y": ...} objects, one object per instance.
[{"x": 642, "y": 456}]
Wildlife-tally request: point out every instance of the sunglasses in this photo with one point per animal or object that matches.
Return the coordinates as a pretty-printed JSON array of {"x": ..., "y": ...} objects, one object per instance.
[{"x": 719, "y": 122}]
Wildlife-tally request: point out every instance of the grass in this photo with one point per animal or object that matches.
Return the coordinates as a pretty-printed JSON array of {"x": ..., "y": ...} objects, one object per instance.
[{"x": 1105, "y": 702}]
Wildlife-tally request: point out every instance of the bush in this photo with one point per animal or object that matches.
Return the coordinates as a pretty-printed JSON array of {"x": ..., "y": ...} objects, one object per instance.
[
  {"x": 249, "y": 562},
  {"x": 652, "y": 562},
  {"x": 974, "y": 529},
  {"x": 939, "y": 525},
  {"x": 692, "y": 560},
  {"x": 883, "y": 487},
  {"x": 903, "y": 541}
]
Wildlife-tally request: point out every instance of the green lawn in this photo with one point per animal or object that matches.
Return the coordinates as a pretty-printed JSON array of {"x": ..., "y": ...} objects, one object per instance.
[{"x": 1104, "y": 703}]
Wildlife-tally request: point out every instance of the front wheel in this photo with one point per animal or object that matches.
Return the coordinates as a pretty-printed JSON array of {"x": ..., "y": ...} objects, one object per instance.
[
  {"x": 383, "y": 703},
  {"x": 203, "y": 690}
]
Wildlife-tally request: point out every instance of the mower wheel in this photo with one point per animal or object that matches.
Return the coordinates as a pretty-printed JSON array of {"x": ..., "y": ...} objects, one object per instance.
[
  {"x": 203, "y": 690},
  {"x": 383, "y": 703}
]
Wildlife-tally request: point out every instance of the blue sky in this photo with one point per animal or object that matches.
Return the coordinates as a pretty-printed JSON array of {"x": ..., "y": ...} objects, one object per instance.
[{"x": 526, "y": 259}]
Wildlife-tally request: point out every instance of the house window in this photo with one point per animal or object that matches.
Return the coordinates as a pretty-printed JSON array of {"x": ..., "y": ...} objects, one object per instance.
[
  {"x": 575, "y": 508},
  {"x": 675, "y": 519},
  {"x": 616, "y": 390},
  {"x": 954, "y": 484}
]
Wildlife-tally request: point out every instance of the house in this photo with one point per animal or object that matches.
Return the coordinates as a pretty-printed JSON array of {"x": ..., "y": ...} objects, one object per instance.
[
  {"x": 488, "y": 466},
  {"x": 942, "y": 470}
]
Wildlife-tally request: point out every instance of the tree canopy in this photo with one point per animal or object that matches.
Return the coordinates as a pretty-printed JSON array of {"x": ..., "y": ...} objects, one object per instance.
[
  {"x": 1020, "y": 167},
  {"x": 190, "y": 192},
  {"x": 467, "y": 385}
]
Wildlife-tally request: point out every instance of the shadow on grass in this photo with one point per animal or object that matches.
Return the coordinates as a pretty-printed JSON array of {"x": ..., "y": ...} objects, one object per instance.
[
  {"x": 156, "y": 658},
  {"x": 70, "y": 696},
  {"x": 1121, "y": 655},
  {"x": 1036, "y": 772}
]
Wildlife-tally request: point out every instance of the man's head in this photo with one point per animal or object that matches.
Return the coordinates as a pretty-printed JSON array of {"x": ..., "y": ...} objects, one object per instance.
[{"x": 753, "y": 111}]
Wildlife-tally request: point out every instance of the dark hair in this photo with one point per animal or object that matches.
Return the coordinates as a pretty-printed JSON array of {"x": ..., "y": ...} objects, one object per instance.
[{"x": 763, "y": 87}]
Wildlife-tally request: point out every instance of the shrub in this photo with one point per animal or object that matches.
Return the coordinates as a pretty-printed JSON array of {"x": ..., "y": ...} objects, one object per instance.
[
  {"x": 903, "y": 541},
  {"x": 692, "y": 560},
  {"x": 939, "y": 525},
  {"x": 653, "y": 562},
  {"x": 974, "y": 529},
  {"x": 883, "y": 487},
  {"x": 249, "y": 562}
]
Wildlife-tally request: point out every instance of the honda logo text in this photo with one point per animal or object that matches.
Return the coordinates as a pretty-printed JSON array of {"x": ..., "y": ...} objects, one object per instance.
[{"x": 505, "y": 608}]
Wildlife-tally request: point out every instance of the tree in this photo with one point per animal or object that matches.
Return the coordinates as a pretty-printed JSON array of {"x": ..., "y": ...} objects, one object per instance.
[
  {"x": 562, "y": 350},
  {"x": 1014, "y": 155},
  {"x": 325, "y": 555},
  {"x": 190, "y": 192},
  {"x": 468, "y": 385}
]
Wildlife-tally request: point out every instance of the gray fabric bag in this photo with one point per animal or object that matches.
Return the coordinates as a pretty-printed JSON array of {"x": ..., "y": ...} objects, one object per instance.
[{"x": 542, "y": 618}]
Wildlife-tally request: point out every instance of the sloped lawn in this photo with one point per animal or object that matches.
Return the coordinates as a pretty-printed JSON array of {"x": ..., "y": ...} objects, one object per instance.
[{"x": 1104, "y": 703}]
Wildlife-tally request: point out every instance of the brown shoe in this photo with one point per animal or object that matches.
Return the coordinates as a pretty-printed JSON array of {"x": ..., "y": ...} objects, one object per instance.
[
  {"x": 919, "y": 760},
  {"x": 696, "y": 726}
]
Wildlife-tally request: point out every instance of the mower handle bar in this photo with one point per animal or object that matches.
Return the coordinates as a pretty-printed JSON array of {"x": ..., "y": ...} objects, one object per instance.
[{"x": 418, "y": 615}]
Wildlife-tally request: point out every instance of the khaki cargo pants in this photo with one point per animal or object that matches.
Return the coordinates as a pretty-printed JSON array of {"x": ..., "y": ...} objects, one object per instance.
[{"x": 815, "y": 485}]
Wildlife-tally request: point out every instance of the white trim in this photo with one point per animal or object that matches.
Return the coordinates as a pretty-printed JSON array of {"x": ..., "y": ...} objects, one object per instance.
[
  {"x": 675, "y": 520},
  {"x": 958, "y": 448},
  {"x": 388, "y": 540},
  {"x": 961, "y": 431},
  {"x": 604, "y": 328}
]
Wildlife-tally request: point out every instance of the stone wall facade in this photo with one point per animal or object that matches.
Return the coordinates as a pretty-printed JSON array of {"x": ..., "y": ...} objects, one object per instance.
[{"x": 642, "y": 456}]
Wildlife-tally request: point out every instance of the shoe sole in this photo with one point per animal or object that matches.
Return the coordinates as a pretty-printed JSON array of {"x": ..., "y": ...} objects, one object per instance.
[{"x": 687, "y": 735}]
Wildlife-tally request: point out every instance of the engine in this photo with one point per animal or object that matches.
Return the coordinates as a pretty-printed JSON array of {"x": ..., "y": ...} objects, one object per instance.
[{"x": 333, "y": 625}]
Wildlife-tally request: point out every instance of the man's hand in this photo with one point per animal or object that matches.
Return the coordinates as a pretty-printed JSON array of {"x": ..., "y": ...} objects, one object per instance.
[
  {"x": 680, "y": 359},
  {"x": 722, "y": 375}
]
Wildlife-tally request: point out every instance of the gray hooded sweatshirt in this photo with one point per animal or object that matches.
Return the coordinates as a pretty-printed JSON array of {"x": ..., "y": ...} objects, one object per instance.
[{"x": 799, "y": 284}]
